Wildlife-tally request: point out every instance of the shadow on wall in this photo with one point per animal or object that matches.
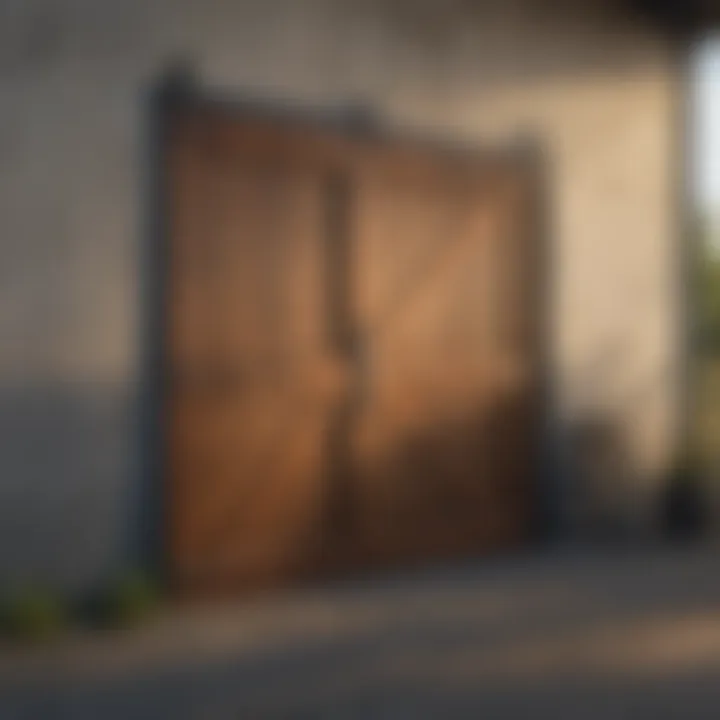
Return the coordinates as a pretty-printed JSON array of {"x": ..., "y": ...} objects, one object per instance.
[
  {"x": 67, "y": 510},
  {"x": 613, "y": 499},
  {"x": 605, "y": 474},
  {"x": 608, "y": 493},
  {"x": 515, "y": 50}
]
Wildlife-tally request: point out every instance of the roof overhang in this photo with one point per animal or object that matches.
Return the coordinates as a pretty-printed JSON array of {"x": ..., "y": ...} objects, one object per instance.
[{"x": 678, "y": 16}]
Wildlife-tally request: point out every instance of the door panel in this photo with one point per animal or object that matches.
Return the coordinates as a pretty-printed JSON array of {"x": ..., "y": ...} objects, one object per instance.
[
  {"x": 248, "y": 353},
  {"x": 445, "y": 436}
]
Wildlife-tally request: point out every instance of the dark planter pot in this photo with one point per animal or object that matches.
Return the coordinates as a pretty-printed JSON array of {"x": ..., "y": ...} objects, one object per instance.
[{"x": 685, "y": 512}]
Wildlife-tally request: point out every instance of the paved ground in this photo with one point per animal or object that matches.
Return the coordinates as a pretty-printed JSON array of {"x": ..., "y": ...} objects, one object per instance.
[{"x": 584, "y": 636}]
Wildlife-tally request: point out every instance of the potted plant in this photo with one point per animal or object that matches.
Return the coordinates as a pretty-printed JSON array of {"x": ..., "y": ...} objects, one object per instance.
[{"x": 686, "y": 507}]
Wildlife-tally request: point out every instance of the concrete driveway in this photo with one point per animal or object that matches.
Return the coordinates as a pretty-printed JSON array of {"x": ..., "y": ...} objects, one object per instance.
[{"x": 592, "y": 635}]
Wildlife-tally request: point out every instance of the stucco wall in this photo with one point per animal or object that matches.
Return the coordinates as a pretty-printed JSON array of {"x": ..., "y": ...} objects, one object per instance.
[{"x": 601, "y": 95}]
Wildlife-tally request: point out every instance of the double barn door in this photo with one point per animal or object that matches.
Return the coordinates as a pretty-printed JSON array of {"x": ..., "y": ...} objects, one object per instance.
[{"x": 352, "y": 375}]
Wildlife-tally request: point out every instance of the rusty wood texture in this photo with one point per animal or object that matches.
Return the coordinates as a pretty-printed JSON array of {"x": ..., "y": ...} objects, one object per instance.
[{"x": 353, "y": 376}]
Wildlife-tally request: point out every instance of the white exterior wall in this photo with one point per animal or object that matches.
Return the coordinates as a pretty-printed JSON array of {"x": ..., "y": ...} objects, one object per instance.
[{"x": 602, "y": 96}]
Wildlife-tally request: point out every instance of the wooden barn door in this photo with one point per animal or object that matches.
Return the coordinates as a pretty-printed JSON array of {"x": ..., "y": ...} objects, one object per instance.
[{"x": 351, "y": 368}]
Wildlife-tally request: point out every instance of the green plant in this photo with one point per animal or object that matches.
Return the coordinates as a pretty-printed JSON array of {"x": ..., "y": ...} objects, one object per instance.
[
  {"x": 130, "y": 599},
  {"x": 33, "y": 614}
]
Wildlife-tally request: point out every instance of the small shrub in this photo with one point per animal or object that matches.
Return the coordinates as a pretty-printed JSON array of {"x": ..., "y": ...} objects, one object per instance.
[
  {"x": 135, "y": 598},
  {"x": 37, "y": 614},
  {"x": 33, "y": 614},
  {"x": 124, "y": 602}
]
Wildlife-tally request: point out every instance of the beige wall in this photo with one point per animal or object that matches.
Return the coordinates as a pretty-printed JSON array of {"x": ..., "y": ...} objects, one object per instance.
[{"x": 601, "y": 95}]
